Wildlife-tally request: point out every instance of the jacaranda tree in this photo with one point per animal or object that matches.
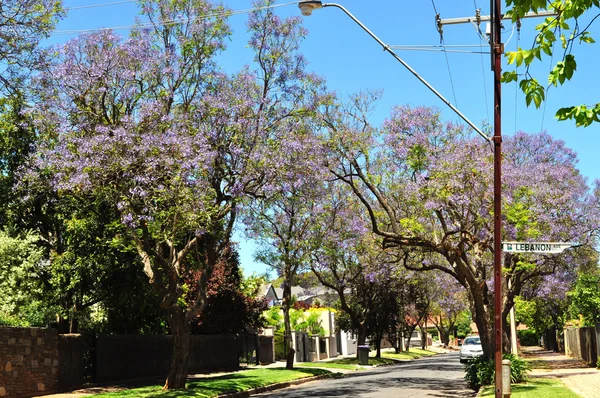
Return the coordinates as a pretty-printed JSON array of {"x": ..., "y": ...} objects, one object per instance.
[
  {"x": 150, "y": 122},
  {"x": 427, "y": 189}
]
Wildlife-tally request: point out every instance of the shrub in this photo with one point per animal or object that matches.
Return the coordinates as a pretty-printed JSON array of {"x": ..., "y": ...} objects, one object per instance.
[
  {"x": 480, "y": 372},
  {"x": 598, "y": 364},
  {"x": 12, "y": 321},
  {"x": 279, "y": 345},
  {"x": 518, "y": 368},
  {"x": 528, "y": 337}
]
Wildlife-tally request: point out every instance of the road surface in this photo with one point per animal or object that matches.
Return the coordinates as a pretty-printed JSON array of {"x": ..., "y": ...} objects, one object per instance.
[{"x": 438, "y": 376}]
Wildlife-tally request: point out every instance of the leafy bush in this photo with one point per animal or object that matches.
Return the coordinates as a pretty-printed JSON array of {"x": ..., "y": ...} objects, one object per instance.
[
  {"x": 11, "y": 320},
  {"x": 598, "y": 364},
  {"x": 480, "y": 372},
  {"x": 279, "y": 345},
  {"x": 518, "y": 368},
  {"x": 528, "y": 337}
]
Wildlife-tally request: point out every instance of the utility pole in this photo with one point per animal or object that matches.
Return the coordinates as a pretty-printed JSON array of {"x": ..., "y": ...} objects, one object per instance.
[{"x": 496, "y": 49}]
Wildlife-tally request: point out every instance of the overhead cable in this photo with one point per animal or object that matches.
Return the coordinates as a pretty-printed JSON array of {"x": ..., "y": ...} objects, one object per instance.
[
  {"x": 172, "y": 22},
  {"x": 100, "y": 5}
]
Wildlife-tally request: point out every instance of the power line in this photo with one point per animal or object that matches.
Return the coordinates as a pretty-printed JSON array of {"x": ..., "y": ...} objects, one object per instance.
[
  {"x": 446, "y": 56},
  {"x": 517, "y": 86},
  {"x": 404, "y": 48},
  {"x": 172, "y": 22},
  {"x": 434, "y": 9},
  {"x": 547, "y": 91},
  {"x": 100, "y": 5},
  {"x": 485, "y": 94}
]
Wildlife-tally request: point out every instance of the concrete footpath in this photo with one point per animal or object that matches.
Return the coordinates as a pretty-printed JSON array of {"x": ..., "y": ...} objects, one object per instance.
[{"x": 574, "y": 373}]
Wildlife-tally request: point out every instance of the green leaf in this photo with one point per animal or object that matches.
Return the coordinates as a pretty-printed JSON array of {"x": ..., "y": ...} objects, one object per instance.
[
  {"x": 519, "y": 57},
  {"x": 587, "y": 39},
  {"x": 508, "y": 77}
]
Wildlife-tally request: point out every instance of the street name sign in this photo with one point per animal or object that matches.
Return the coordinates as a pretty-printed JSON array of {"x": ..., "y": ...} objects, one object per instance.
[{"x": 535, "y": 247}]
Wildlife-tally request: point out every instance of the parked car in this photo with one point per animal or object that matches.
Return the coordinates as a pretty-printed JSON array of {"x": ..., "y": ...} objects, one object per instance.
[{"x": 471, "y": 348}]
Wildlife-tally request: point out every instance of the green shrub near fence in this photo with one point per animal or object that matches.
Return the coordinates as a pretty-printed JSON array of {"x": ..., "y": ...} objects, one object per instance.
[
  {"x": 12, "y": 321},
  {"x": 480, "y": 372},
  {"x": 279, "y": 345},
  {"x": 528, "y": 337}
]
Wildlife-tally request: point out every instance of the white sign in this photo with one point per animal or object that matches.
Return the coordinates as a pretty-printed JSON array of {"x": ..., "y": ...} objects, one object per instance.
[{"x": 535, "y": 247}]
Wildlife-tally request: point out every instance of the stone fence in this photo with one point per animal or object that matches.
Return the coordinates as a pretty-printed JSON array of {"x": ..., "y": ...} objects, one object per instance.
[
  {"x": 28, "y": 361},
  {"x": 36, "y": 361}
]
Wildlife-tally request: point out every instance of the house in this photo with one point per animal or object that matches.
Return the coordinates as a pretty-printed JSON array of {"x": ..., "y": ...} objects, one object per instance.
[
  {"x": 308, "y": 296},
  {"x": 267, "y": 291}
]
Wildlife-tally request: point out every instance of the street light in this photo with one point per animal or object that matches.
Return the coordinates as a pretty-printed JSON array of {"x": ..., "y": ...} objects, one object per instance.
[
  {"x": 497, "y": 48},
  {"x": 307, "y": 7}
]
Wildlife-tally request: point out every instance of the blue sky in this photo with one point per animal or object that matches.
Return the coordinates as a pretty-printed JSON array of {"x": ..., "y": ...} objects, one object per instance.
[{"x": 350, "y": 61}]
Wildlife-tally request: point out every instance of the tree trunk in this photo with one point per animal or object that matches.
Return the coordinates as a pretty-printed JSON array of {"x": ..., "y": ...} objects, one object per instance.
[
  {"x": 411, "y": 329},
  {"x": 423, "y": 337},
  {"x": 287, "y": 299},
  {"x": 362, "y": 336},
  {"x": 483, "y": 321},
  {"x": 378, "y": 345},
  {"x": 180, "y": 330},
  {"x": 444, "y": 334}
]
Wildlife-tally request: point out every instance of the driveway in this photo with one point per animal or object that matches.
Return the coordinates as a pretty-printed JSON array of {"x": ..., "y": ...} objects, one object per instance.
[{"x": 438, "y": 376}]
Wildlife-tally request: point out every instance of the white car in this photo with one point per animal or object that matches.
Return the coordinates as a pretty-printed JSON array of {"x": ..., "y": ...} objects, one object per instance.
[{"x": 471, "y": 348}]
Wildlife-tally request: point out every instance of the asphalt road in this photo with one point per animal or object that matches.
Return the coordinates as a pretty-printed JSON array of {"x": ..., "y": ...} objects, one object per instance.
[{"x": 437, "y": 376}]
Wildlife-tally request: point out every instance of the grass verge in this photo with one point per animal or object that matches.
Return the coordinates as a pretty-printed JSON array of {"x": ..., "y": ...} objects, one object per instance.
[
  {"x": 331, "y": 365},
  {"x": 414, "y": 353},
  {"x": 538, "y": 364},
  {"x": 535, "y": 388},
  {"x": 354, "y": 361},
  {"x": 213, "y": 386}
]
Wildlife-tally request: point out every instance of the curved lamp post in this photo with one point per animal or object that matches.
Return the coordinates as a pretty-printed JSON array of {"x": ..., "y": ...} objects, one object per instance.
[{"x": 307, "y": 7}]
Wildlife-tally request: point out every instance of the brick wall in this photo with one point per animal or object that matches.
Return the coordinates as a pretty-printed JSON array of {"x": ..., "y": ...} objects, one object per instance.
[{"x": 28, "y": 361}]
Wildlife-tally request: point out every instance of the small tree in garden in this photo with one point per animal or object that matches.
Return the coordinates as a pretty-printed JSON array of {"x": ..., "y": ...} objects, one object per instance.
[
  {"x": 229, "y": 309},
  {"x": 449, "y": 301},
  {"x": 152, "y": 124},
  {"x": 417, "y": 304},
  {"x": 283, "y": 217}
]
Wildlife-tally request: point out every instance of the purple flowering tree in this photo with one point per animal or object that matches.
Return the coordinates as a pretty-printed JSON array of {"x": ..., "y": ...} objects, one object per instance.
[
  {"x": 448, "y": 303},
  {"x": 151, "y": 123},
  {"x": 426, "y": 187},
  {"x": 23, "y": 24},
  {"x": 349, "y": 260},
  {"x": 283, "y": 216}
]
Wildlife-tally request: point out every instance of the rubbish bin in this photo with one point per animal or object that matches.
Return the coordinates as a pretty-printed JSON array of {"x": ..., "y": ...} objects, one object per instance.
[{"x": 363, "y": 354}]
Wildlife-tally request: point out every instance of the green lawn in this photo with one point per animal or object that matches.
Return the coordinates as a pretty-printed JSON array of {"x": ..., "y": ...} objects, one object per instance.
[
  {"x": 538, "y": 364},
  {"x": 414, "y": 353},
  {"x": 214, "y": 386},
  {"x": 331, "y": 365},
  {"x": 354, "y": 361},
  {"x": 535, "y": 388}
]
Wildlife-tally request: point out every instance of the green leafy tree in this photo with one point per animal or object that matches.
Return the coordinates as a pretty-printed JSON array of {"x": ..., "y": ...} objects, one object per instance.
[
  {"x": 569, "y": 27},
  {"x": 20, "y": 257},
  {"x": 585, "y": 299}
]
